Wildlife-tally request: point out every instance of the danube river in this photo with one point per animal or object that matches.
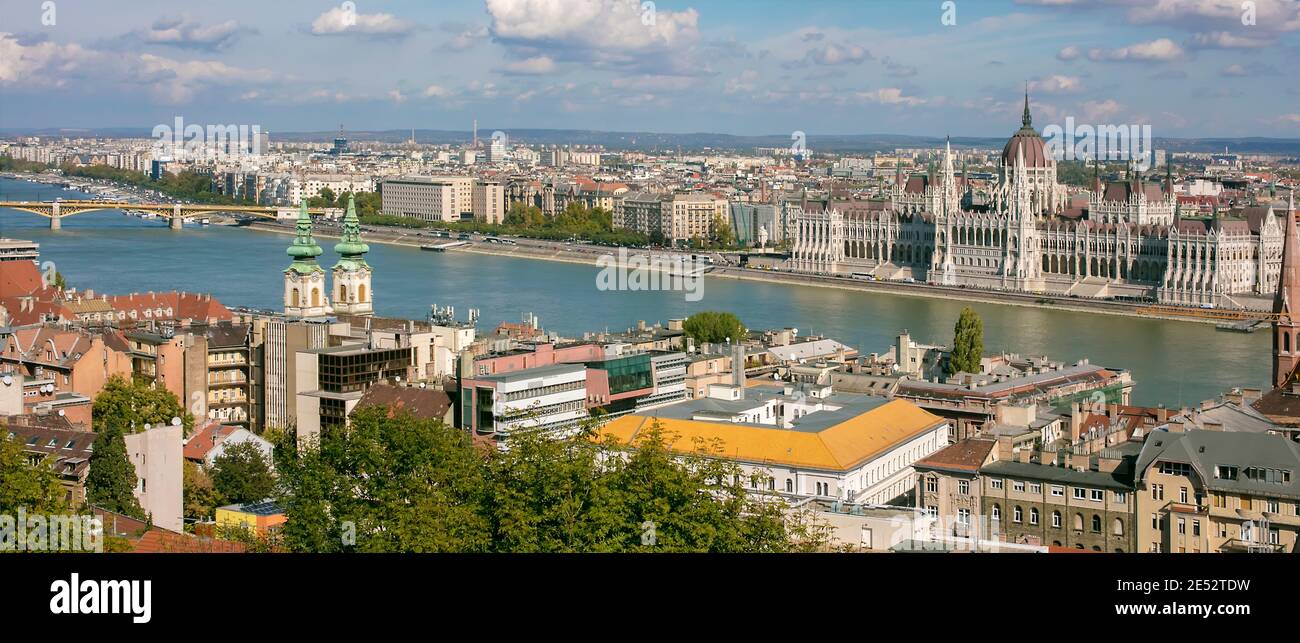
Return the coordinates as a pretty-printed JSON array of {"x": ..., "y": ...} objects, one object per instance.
[{"x": 1174, "y": 363}]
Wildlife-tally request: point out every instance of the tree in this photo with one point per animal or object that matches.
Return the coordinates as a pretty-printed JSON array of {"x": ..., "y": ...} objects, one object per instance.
[
  {"x": 36, "y": 489},
  {"x": 200, "y": 497},
  {"x": 394, "y": 484},
  {"x": 110, "y": 484},
  {"x": 128, "y": 405},
  {"x": 723, "y": 237},
  {"x": 967, "y": 343},
  {"x": 714, "y": 327},
  {"x": 242, "y": 474}
]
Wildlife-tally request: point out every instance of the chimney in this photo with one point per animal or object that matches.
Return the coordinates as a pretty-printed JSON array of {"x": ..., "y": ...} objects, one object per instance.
[
  {"x": 1076, "y": 421},
  {"x": 1107, "y": 465},
  {"x": 738, "y": 367},
  {"x": 1023, "y": 455},
  {"x": 1005, "y": 450}
]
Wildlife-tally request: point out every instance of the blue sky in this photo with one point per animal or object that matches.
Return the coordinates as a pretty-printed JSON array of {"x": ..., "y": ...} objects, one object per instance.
[{"x": 1188, "y": 67}]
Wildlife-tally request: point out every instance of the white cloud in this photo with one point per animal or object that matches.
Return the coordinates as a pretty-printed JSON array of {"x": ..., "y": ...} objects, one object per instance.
[
  {"x": 837, "y": 54},
  {"x": 463, "y": 37},
  {"x": 745, "y": 82},
  {"x": 342, "y": 21},
  {"x": 614, "y": 25},
  {"x": 1069, "y": 53},
  {"x": 535, "y": 66},
  {"x": 40, "y": 63},
  {"x": 436, "y": 91},
  {"x": 1225, "y": 40},
  {"x": 1056, "y": 84},
  {"x": 1160, "y": 50},
  {"x": 186, "y": 33},
  {"x": 1100, "y": 111},
  {"x": 890, "y": 96}
]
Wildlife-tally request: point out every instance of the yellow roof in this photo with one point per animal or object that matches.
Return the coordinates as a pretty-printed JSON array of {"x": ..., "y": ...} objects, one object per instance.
[{"x": 839, "y": 447}]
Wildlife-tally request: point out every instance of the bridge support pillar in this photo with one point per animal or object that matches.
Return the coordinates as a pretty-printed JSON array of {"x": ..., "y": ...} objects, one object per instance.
[
  {"x": 56, "y": 223},
  {"x": 177, "y": 221}
]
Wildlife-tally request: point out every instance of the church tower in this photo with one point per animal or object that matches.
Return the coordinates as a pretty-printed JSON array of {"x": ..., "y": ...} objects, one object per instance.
[
  {"x": 1286, "y": 329},
  {"x": 304, "y": 279},
  {"x": 352, "y": 293}
]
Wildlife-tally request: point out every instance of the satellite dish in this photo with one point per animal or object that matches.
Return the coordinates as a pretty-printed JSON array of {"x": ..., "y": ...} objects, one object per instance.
[
  {"x": 176, "y": 421},
  {"x": 60, "y": 412},
  {"x": 146, "y": 426},
  {"x": 8, "y": 380}
]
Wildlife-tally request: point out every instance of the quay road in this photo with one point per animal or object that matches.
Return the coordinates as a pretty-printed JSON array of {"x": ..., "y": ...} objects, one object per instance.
[{"x": 725, "y": 267}]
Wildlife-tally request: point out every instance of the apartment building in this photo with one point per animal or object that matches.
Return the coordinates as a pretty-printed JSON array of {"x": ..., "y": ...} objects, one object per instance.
[
  {"x": 550, "y": 399},
  {"x": 678, "y": 217},
  {"x": 446, "y": 198},
  {"x": 948, "y": 486},
  {"x": 1216, "y": 491},
  {"x": 1061, "y": 499}
]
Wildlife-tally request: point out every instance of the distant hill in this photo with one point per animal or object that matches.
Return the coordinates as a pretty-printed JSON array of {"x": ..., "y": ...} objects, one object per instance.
[{"x": 698, "y": 141}]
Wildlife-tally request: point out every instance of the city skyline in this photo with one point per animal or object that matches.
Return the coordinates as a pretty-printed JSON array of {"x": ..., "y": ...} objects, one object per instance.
[{"x": 1191, "y": 68}]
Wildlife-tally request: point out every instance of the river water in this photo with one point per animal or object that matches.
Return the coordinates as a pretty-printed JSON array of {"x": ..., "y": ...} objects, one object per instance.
[{"x": 1173, "y": 363}]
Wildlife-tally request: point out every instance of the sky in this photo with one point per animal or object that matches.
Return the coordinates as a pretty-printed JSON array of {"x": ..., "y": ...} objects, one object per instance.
[{"x": 1189, "y": 68}]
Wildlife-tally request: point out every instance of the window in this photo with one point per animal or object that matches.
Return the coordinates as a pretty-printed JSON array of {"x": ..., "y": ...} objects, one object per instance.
[
  {"x": 1033, "y": 515},
  {"x": 996, "y": 513},
  {"x": 1182, "y": 495},
  {"x": 1018, "y": 486},
  {"x": 963, "y": 487},
  {"x": 1078, "y": 522},
  {"x": 1272, "y": 505},
  {"x": 1157, "y": 492},
  {"x": 1056, "y": 519},
  {"x": 1080, "y": 493},
  {"x": 1098, "y": 495},
  {"x": 1182, "y": 526},
  {"x": 789, "y": 485},
  {"x": 1096, "y": 524},
  {"x": 1225, "y": 472},
  {"x": 1196, "y": 527},
  {"x": 963, "y": 517},
  {"x": 1155, "y": 521},
  {"x": 1118, "y": 527},
  {"x": 995, "y": 483},
  {"x": 932, "y": 485},
  {"x": 1175, "y": 468},
  {"x": 1121, "y": 496},
  {"x": 1058, "y": 490},
  {"x": 1035, "y": 487},
  {"x": 1017, "y": 514}
]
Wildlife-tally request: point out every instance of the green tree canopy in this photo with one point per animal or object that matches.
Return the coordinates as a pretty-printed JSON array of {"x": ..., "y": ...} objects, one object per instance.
[
  {"x": 242, "y": 474},
  {"x": 200, "y": 497},
  {"x": 394, "y": 484},
  {"x": 129, "y": 404},
  {"x": 714, "y": 327},
  {"x": 405, "y": 484},
  {"x": 110, "y": 484},
  {"x": 34, "y": 488},
  {"x": 967, "y": 343}
]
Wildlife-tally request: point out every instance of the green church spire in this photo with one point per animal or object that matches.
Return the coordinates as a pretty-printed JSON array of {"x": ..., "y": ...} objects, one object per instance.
[
  {"x": 304, "y": 249},
  {"x": 352, "y": 250}
]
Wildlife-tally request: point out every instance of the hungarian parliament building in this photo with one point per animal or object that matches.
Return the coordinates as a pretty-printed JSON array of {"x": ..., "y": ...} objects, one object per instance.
[{"x": 1021, "y": 234}]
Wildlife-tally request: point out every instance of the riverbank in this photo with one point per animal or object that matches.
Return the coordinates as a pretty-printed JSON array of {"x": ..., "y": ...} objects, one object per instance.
[{"x": 589, "y": 256}]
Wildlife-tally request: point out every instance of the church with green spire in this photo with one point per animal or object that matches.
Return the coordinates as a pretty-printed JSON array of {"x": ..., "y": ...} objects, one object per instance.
[
  {"x": 352, "y": 294},
  {"x": 305, "y": 293}
]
